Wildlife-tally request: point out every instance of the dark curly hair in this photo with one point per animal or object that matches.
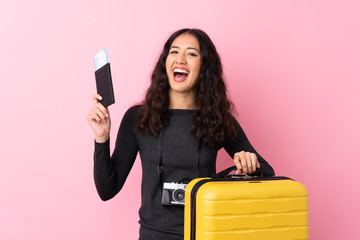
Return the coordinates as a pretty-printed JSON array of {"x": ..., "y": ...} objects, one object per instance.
[{"x": 213, "y": 120}]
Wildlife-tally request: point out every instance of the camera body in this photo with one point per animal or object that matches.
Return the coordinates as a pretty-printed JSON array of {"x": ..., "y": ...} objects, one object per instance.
[{"x": 173, "y": 194}]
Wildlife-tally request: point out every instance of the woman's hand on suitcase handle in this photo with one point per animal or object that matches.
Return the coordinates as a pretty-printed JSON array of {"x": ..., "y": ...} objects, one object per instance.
[
  {"x": 246, "y": 162},
  {"x": 99, "y": 120}
]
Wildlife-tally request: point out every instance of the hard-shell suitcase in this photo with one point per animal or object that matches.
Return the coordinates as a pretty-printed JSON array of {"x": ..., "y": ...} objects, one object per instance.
[{"x": 249, "y": 208}]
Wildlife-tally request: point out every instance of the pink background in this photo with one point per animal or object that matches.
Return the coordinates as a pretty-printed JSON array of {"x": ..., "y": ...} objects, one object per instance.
[{"x": 292, "y": 69}]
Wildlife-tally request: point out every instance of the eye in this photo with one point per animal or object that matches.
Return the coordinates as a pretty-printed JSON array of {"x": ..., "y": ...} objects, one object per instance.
[
  {"x": 192, "y": 54},
  {"x": 173, "y": 52}
]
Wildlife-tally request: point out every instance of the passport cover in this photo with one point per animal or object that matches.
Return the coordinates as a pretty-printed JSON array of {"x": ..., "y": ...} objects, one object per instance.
[{"x": 104, "y": 85}]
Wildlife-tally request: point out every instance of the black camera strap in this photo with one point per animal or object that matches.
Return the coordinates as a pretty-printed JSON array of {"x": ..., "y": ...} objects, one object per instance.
[{"x": 160, "y": 167}]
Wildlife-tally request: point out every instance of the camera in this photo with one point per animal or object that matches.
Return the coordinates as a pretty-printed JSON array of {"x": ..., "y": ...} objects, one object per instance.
[{"x": 173, "y": 194}]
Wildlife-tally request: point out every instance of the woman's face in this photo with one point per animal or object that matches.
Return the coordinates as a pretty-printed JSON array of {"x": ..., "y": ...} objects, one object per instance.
[{"x": 183, "y": 64}]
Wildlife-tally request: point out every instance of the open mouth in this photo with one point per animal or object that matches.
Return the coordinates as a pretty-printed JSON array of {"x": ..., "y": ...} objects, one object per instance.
[{"x": 180, "y": 74}]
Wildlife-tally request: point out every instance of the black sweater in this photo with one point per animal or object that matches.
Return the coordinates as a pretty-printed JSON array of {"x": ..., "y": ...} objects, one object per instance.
[{"x": 180, "y": 158}]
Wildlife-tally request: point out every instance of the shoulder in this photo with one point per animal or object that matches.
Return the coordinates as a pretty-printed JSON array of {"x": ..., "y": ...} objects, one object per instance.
[
  {"x": 131, "y": 116},
  {"x": 235, "y": 122},
  {"x": 133, "y": 111}
]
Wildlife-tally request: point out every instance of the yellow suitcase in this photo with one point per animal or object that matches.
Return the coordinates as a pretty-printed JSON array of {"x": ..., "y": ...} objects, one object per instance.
[{"x": 250, "y": 208}]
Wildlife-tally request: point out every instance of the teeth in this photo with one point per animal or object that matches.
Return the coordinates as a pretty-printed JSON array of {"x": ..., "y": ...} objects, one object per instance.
[{"x": 178, "y": 70}]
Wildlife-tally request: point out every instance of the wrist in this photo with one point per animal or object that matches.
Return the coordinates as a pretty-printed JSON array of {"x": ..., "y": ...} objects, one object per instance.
[{"x": 101, "y": 139}]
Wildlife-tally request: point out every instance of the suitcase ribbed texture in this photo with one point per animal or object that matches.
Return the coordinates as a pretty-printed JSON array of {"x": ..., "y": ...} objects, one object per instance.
[{"x": 272, "y": 209}]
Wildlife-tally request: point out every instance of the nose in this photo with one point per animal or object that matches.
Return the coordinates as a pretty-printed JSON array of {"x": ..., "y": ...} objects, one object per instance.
[{"x": 180, "y": 59}]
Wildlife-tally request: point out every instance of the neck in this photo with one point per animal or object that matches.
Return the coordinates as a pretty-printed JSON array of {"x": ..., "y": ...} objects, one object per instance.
[{"x": 181, "y": 100}]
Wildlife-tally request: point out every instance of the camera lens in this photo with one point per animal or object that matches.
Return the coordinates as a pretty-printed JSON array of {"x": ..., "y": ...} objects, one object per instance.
[{"x": 179, "y": 195}]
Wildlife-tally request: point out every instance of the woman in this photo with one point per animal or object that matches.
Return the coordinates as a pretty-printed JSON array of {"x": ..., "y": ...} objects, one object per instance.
[{"x": 178, "y": 129}]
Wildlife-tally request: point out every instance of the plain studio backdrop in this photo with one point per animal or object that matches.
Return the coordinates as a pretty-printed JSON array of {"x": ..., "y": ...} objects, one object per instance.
[{"x": 291, "y": 67}]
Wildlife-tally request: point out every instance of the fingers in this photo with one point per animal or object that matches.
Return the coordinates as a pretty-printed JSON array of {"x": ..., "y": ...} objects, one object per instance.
[
  {"x": 254, "y": 161},
  {"x": 237, "y": 163},
  {"x": 96, "y": 98},
  {"x": 92, "y": 117},
  {"x": 257, "y": 164},
  {"x": 96, "y": 116},
  {"x": 246, "y": 162},
  {"x": 103, "y": 110},
  {"x": 99, "y": 113}
]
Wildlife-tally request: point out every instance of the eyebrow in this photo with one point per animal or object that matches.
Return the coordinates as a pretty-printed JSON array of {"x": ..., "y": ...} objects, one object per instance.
[{"x": 187, "y": 48}]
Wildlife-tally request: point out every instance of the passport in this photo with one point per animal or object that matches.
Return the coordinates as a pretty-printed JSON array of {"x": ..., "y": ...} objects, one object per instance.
[{"x": 104, "y": 85}]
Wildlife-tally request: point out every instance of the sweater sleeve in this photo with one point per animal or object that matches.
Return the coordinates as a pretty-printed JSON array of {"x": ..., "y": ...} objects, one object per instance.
[
  {"x": 110, "y": 172},
  {"x": 241, "y": 143}
]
